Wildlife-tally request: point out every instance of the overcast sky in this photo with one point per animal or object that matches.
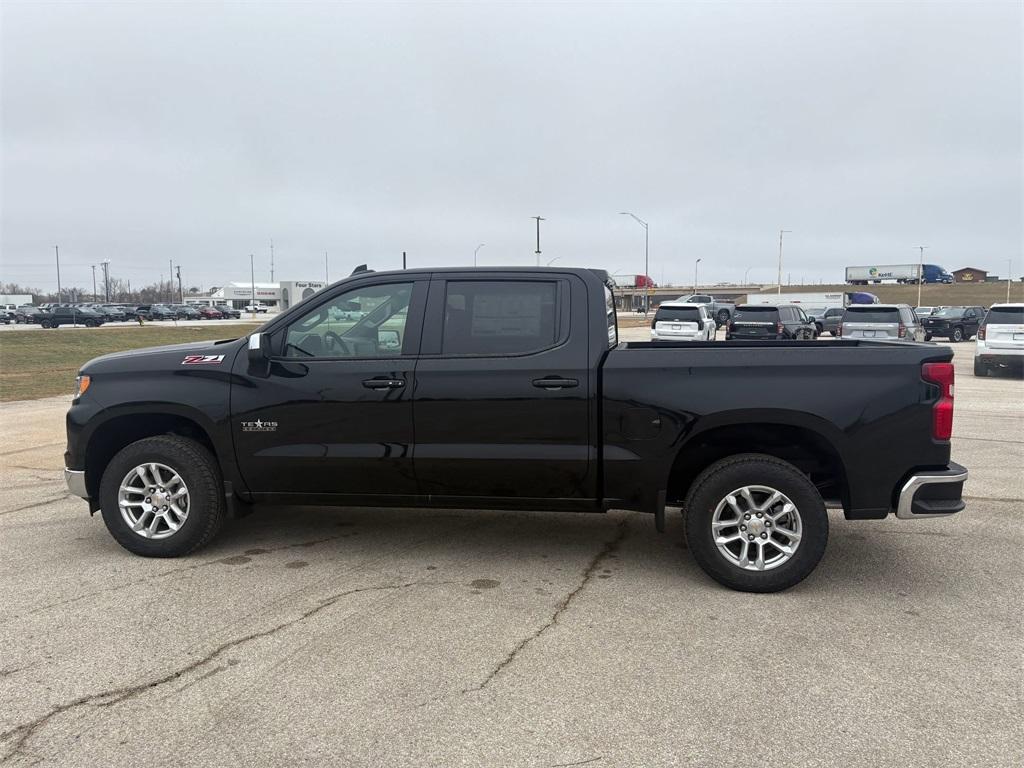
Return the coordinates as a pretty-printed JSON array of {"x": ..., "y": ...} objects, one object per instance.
[{"x": 143, "y": 133}]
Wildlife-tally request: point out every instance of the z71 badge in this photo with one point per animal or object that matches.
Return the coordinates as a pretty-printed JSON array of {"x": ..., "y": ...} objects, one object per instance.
[{"x": 203, "y": 360}]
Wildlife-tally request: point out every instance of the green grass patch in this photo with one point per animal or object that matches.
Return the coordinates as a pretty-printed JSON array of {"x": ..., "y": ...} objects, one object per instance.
[{"x": 44, "y": 363}]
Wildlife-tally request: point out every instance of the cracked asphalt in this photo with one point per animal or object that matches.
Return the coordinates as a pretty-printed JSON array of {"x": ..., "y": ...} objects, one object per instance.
[{"x": 365, "y": 637}]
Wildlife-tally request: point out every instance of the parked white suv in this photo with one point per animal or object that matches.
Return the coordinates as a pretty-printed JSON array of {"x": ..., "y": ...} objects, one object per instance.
[
  {"x": 1000, "y": 340},
  {"x": 678, "y": 321},
  {"x": 896, "y": 322}
]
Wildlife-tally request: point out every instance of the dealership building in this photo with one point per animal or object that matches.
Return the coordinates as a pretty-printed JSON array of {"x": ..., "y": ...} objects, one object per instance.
[{"x": 279, "y": 296}]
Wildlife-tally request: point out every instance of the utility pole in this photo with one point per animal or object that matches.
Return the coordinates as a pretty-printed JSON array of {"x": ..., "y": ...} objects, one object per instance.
[
  {"x": 170, "y": 281},
  {"x": 647, "y": 268},
  {"x": 539, "y": 220},
  {"x": 271, "y": 259},
  {"x": 781, "y": 233},
  {"x": 106, "y": 279},
  {"x": 1009, "y": 278},
  {"x": 57, "y": 251},
  {"x": 327, "y": 270},
  {"x": 181, "y": 291},
  {"x": 252, "y": 276},
  {"x": 920, "y": 270},
  {"x": 94, "y": 282},
  {"x": 403, "y": 260}
]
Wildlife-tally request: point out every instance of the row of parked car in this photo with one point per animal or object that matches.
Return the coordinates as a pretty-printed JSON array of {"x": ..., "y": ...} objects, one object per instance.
[
  {"x": 95, "y": 314},
  {"x": 999, "y": 330}
]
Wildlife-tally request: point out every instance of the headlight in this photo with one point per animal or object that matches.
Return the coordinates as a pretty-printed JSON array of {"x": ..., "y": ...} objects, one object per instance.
[{"x": 81, "y": 385}]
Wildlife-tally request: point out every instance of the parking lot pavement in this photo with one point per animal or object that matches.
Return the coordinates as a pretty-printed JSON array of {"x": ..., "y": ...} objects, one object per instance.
[{"x": 386, "y": 638}]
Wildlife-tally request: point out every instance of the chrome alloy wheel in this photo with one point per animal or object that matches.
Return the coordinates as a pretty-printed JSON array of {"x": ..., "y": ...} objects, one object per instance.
[
  {"x": 756, "y": 528},
  {"x": 153, "y": 500}
]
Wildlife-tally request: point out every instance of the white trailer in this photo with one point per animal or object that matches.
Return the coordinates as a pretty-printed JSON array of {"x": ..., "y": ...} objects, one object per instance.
[
  {"x": 901, "y": 273},
  {"x": 806, "y": 299}
]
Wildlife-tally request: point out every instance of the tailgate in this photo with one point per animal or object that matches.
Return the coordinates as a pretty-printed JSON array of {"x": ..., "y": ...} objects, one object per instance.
[
  {"x": 1004, "y": 336},
  {"x": 870, "y": 331}
]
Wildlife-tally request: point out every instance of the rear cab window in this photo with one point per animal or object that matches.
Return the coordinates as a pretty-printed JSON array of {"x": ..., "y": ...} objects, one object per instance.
[{"x": 870, "y": 314}]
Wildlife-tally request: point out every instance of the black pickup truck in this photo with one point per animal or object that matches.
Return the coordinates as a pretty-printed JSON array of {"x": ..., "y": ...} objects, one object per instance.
[{"x": 509, "y": 389}]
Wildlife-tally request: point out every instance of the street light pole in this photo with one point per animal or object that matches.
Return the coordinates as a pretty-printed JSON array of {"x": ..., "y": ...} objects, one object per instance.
[
  {"x": 252, "y": 277},
  {"x": 920, "y": 271},
  {"x": 695, "y": 275},
  {"x": 781, "y": 233},
  {"x": 477, "y": 249},
  {"x": 1009, "y": 278},
  {"x": 94, "y": 282},
  {"x": 106, "y": 279},
  {"x": 647, "y": 259},
  {"x": 539, "y": 220},
  {"x": 552, "y": 261},
  {"x": 56, "y": 250}
]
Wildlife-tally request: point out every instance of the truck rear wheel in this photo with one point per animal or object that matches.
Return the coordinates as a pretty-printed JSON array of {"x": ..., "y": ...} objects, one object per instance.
[
  {"x": 755, "y": 523},
  {"x": 162, "y": 496},
  {"x": 722, "y": 317}
]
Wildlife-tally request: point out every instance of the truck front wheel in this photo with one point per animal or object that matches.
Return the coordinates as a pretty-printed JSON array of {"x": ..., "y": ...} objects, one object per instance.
[
  {"x": 755, "y": 523},
  {"x": 162, "y": 496}
]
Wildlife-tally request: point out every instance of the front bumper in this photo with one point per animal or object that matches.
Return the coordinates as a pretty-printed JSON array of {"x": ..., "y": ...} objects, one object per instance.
[
  {"x": 932, "y": 493},
  {"x": 75, "y": 479}
]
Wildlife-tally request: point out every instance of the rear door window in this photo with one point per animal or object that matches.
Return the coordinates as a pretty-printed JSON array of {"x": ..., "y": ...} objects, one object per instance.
[
  {"x": 869, "y": 314},
  {"x": 507, "y": 317},
  {"x": 1005, "y": 316}
]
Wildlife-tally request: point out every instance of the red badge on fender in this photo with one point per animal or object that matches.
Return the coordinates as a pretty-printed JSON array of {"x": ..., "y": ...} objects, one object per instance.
[{"x": 203, "y": 360}]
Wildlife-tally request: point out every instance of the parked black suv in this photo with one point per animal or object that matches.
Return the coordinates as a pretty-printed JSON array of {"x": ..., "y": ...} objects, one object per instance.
[
  {"x": 227, "y": 311},
  {"x": 155, "y": 312},
  {"x": 28, "y": 315},
  {"x": 770, "y": 321},
  {"x": 185, "y": 312},
  {"x": 58, "y": 316},
  {"x": 954, "y": 323}
]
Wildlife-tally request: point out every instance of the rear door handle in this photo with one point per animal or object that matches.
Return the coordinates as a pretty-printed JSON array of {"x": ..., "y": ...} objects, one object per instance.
[
  {"x": 384, "y": 383},
  {"x": 553, "y": 382}
]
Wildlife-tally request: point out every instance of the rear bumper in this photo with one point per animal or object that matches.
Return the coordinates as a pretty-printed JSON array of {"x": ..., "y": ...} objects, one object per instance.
[{"x": 932, "y": 493}]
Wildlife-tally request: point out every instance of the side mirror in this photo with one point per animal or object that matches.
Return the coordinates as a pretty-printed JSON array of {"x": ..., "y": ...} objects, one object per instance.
[{"x": 259, "y": 348}]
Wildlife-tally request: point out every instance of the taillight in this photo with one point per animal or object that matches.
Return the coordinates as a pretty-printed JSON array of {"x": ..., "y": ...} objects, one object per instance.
[
  {"x": 942, "y": 412},
  {"x": 902, "y": 331},
  {"x": 779, "y": 327},
  {"x": 981, "y": 333}
]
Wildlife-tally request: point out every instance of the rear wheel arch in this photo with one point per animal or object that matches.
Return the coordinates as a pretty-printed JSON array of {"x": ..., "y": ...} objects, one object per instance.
[{"x": 811, "y": 451}]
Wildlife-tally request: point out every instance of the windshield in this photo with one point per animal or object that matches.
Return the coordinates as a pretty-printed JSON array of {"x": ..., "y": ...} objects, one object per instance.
[
  {"x": 871, "y": 315},
  {"x": 949, "y": 312},
  {"x": 1005, "y": 316},
  {"x": 677, "y": 314}
]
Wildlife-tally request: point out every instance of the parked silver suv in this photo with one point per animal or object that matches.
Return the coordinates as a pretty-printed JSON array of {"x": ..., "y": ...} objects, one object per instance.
[
  {"x": 1001, "y": 340},
  {"x": 881, "y": 321}
]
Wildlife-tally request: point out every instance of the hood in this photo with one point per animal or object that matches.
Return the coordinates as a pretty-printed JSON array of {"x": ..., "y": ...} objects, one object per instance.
[{"x": 197, "y": 355}]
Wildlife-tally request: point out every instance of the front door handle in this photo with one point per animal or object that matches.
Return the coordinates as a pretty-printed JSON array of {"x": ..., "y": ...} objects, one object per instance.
[
  {"x": 554, "y": 382},
  {"x": 384, "y": 383}
]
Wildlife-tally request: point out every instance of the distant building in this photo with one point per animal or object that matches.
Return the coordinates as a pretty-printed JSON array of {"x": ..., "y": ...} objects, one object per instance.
[
  {"x": 16, "y": 298},
  {"x": 970, "y": 275},
  {"x": 279, "y": 295}
]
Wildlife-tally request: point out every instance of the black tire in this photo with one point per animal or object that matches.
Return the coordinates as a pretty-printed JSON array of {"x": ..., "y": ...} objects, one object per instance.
[
  {"x": 957, "y": 335},
  {"x": 927, "y": 337},
  {"x": 722, "y": 317},
  {"x": 196, "y": 466},
  {"x": 91, "y": 324},
  {"x": 980, "y": 369},
  {"x": 47, "y": 324},
  {"x": 725, "y": 477},
  {"x": 818, "y": 330}
]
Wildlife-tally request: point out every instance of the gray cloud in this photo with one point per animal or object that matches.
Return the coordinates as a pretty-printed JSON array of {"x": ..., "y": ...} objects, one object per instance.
[{"x": 196, "y": 133}]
